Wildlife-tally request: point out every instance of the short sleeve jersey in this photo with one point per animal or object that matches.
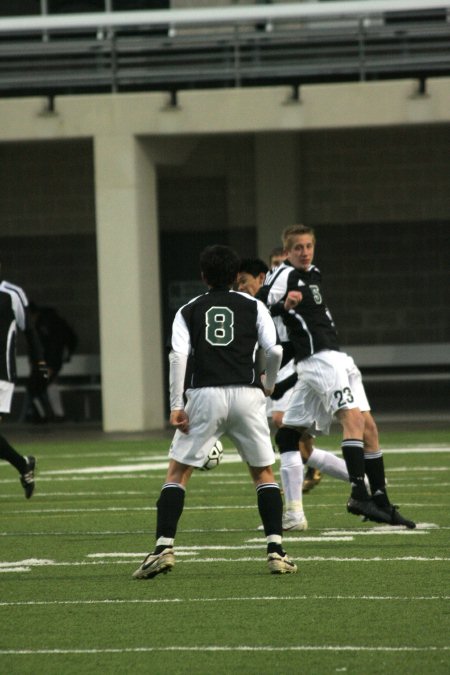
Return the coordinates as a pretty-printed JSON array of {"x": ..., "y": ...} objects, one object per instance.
[
  {"x": 13, "y": 302},
  {"x": 220, "y": 331},
  {"x": 310, "y": 325}
]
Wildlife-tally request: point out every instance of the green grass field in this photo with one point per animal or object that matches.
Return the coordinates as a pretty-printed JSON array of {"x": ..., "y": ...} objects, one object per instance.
[{"x": 366, "y": 599}]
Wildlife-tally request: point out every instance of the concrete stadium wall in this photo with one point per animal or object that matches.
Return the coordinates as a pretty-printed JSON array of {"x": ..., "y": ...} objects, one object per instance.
[{"x": 96, "y": 199}]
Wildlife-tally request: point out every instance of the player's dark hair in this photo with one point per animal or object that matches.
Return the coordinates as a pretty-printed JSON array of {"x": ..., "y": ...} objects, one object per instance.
[
  {"x": 253, "y": 266},
  {"x": 219, "y": 265}
]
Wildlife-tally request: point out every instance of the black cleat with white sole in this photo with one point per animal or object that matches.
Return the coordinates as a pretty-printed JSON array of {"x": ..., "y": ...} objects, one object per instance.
[{"x": 27, "y": 477}]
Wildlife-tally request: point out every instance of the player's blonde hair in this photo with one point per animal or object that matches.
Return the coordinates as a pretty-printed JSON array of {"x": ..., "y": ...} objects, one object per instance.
[{"x": 292, "y": 231}]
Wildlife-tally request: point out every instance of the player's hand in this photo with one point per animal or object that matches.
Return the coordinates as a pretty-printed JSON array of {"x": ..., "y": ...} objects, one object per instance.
[
  {"x": 292, "y": 300},
  {"x": 180, "y": 420}
]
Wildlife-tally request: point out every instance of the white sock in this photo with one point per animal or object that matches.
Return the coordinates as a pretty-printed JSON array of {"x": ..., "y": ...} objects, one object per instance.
[
  {"x": 328, "y": 463},
  {"x": 291, "y": 472}
]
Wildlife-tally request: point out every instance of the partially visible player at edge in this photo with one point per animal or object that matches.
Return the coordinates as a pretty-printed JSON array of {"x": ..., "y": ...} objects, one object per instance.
[
  {"x": 14, "y": 314},
  {"x": 329, "y": 383},
  {"x": 221, "y": 330}
]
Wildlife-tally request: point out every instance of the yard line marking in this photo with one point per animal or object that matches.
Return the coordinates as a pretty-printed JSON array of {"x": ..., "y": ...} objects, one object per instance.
[
  {"x": 389, "y": 529},
  {"x": 427, "y": 469},
  {"x": 263, "y": 598},
  {"x": 259, "y": 543},
  {"x": 219, "y": 507},
  {"x": 36, "y": 562},
  {"x": 122, "y": 474},
  {"x": 129, "y": 508},
  {"x": 117, "y": 468},
  {"x": 144, "y": 456},
  {"x": 326, "y": 559},
  {"x": 96, "y": 533},
  {"x": 65, "y": 479},
  {"x": 77, "y": 533},
  {"x": 107, "y": 469},
  {"x": 119, "y": 493},
  {"x": 226, "y": 648}
]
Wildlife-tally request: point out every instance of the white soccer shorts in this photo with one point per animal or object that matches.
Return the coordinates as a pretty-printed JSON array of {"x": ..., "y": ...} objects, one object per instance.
[
  {"x": 328, "y": 381},
  {"x": 6, "y": 394},
  {"x": 239, "y": 412},
  {"x": 281, "y": 404}
]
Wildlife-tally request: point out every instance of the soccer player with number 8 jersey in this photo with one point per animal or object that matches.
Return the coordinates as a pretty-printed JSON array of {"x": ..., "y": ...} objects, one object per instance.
[{"x": 220, "y": 332}]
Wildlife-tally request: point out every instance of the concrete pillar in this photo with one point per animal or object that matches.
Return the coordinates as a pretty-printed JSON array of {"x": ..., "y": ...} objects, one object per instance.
[
  {"x": 128, "y": 269},
  {"x": 276, "y": 161}
]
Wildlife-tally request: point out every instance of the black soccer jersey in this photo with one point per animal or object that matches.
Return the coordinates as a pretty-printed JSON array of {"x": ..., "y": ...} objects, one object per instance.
[
  {"x": 310, "y": 325},
  {"x": 221, "y": 330},
  {"x": 12, "y": 314}
]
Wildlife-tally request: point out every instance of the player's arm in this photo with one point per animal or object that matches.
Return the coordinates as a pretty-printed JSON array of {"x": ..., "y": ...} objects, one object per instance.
[
  {"x": 282, "y": 297},
  {"x": 273, "y": 360},
  {"x": 178, "y": 416},
  {"x": 268, "y": 340},
  {"x": 180, "y": 348},
  {"x": 24, "y": 322}
]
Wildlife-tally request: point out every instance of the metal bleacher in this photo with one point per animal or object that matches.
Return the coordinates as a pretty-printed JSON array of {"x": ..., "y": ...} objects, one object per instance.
[{"x": 224, "y": 46}]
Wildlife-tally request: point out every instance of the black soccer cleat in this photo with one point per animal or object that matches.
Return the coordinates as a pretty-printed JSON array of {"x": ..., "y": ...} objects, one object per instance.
[
  {"x": 27, "y": 478},
  {"x": 396, "y": 518},
  {"x": 369, "y": 510}
]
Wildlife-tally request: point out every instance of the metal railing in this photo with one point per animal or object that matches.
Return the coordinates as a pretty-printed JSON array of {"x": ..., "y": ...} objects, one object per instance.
[{"x": 227, "y": 46}]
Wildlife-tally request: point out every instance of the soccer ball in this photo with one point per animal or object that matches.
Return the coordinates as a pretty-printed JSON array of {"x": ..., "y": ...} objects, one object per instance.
[{"x": 214, "y": 457}]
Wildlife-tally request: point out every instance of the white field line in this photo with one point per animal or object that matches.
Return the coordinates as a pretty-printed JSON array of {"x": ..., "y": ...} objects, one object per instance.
[
  {"x": 118, "y": 474},
  {"x": 332, "y": 531},
  {"x": 421, "y": 469},
  {"x": 229, "y": 458},
  {"x": 287, "y": 537},
  {"x": 157, "y": 462},
  {"x": 35, "y": 562},
  {"x": 69, "y": 493},
  {"x": 265, "y": 598},
  {"x": 65, "y": 479},
  {"x": 220, "y": 489},
  {"x": 390, "y": 530},
  {"x": 185, "y": 550},
  {"x": 139, "y": 457},
  {"x": 130, "y": 509},
  {"x": 332, "y": 491},
  {"x": 223, "y": 648}
]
